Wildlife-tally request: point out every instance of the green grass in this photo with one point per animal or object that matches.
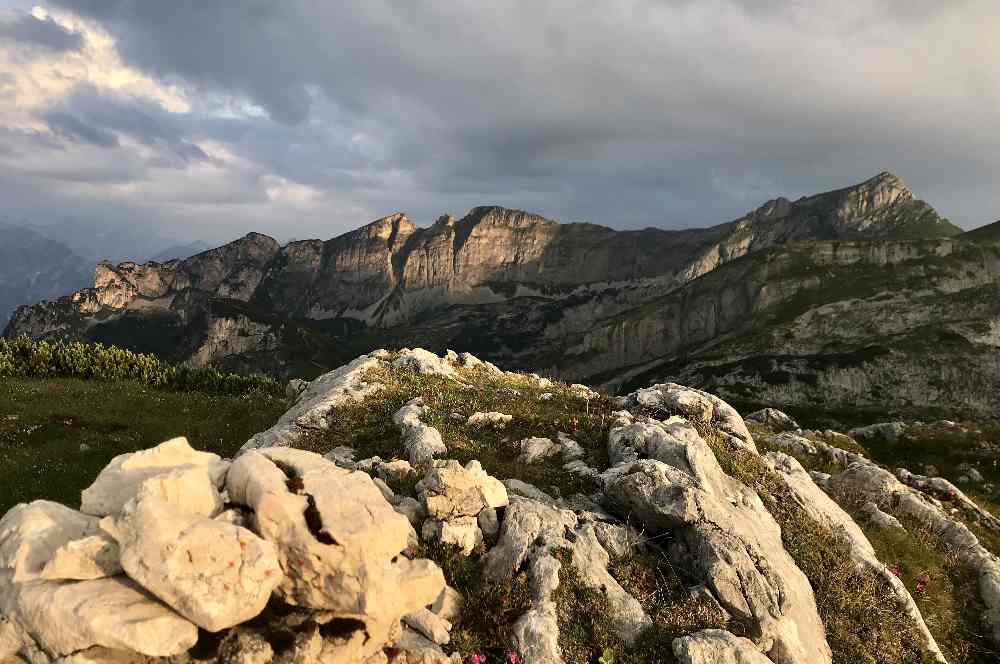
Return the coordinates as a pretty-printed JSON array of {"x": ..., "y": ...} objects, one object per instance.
[
  {"x": 367, "y": 425},
  {"x": 585, "y": 631},
  {"x": 864, "y": 624},
  {"x": 945, "y": 589},
  {"x": 491, "y": 607},
  {"x": 44, "y": 423},
  {"x": 947, "y": 448}
]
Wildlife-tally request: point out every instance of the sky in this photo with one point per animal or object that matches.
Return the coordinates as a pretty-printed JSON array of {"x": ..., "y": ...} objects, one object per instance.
[{"x": 207, "y": 119}]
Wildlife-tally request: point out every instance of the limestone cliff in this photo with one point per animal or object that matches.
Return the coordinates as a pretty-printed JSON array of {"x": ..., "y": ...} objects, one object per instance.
[{"x": 580, "y": 300}]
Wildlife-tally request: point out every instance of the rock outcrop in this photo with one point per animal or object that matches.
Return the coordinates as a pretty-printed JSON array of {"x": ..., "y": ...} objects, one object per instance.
[{"x": 292, "y": 557}]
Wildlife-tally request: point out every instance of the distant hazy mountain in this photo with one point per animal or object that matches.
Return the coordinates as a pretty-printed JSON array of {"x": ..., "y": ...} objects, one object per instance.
[
  {"x": 854, "y": 298},
  {"x": 34, "y": 268},
  {"x": 180, "y": 251}
]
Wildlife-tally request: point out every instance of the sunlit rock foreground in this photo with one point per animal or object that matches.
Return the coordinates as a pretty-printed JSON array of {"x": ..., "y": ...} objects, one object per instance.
[{"x": 293, "y": 555}]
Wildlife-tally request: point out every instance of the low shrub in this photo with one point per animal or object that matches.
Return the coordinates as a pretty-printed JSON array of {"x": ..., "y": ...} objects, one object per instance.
[{"x": 24, "y": 358}]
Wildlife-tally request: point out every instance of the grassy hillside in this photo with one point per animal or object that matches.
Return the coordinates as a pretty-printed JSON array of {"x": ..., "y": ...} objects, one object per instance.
[
  {"x": 67, "y": 409},
  {"x": 988, "y": 234}
]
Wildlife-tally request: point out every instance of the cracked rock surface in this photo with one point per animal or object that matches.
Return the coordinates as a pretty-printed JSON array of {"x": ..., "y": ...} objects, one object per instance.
[{"x": 724, "y": 535}]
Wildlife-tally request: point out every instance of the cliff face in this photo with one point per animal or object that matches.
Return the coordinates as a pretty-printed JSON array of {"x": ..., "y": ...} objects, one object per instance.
[{"x": 578, "y": 299}]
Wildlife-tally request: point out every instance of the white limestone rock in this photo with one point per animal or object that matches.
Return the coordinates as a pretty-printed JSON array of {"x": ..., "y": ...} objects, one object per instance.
[
  {"x": 345, "y": 557},
  {"x": 878, "y": 518},
  {"x": 866, "y": 481},
  {"x": 537, "y": 449},
  {"x": 793, "y": 443},
  {"x": 192, "y": 490},
  {"x": 412, "y": 509},
  {"x": 295, "y": 388},
  {"x": 489, "y": 419},
  {"x": 341, "y": 455},
  {"x": 720, "y": 531},
  {"x": 489, "y": 522},
  {"x": 315, "y": 407},
  {"x": 672, "y": 399},
  {"x": 115, "y": 613},
  {"x": 214, "y": 574},
  {"x": 774, "y": 419},
  {"x": 450, "y": 490},
  {"x": 449, "y": 604},
  {"x": 716, "y": 646},
  {"x": 92, "y": 557},
  {"x": 431, "y": 625},
  {"x": 818, "y": 505},
  {"x": 32, "y": 533},
  {"x": 119, "y": 482},
  {"x": 887, "y": 431},
  {"x": 462, "y": 531},
  {"x": 423, "y": 361}
]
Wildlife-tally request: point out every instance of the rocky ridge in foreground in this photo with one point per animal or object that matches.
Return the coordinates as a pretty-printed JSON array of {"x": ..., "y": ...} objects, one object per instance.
[{"x": 417, "y": 508}]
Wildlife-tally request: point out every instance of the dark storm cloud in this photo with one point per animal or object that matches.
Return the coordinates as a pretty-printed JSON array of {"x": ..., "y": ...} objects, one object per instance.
[
  {"x": 643, "y": 112},
  {"x": 98, "y": 118},
  {"x": 45, "y": 33}
]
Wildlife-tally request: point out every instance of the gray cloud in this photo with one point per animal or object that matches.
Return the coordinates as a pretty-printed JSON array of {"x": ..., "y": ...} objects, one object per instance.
[
  {"x": 98, "y": 118},
  {"x": 670, "y": 113},
  {"x": 42, "y": 33}
]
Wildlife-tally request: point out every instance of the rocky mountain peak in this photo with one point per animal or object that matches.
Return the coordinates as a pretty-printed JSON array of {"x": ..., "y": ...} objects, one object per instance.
[
  {"x": 395, "y": 224},
  {"x": 495, "y": 215}
]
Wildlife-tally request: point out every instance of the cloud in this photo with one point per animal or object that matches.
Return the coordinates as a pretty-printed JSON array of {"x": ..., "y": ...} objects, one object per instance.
[
  {"x": 308, "y": 118},
  {"x": 40, "y": 32}
]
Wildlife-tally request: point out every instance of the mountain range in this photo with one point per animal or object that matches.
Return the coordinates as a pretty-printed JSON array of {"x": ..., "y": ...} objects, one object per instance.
[{"x": 862, "y": 298}]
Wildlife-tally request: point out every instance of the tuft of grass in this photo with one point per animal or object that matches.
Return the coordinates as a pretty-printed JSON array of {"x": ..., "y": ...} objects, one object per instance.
[
  {"x": 864, "y": 623},
  {"x": 57, "y": 434},
  {"x": 585, "y": 633},
  {"x": 367, "y": 426},
  {"x": 945, "y": 589},
  {"x": 491, "y": 607}
]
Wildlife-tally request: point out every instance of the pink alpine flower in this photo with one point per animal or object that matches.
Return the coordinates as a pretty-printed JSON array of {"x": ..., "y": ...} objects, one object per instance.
[
  {"x": 477, "y": 658},
  {"x": 512, "y": 658}
]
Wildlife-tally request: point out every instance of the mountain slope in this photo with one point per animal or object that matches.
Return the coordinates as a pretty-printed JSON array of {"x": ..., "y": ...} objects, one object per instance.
[
  {"x": 515, "y": 287},
  {"x": 988, "y": 234},
  {"x": 34, "y": 268}
]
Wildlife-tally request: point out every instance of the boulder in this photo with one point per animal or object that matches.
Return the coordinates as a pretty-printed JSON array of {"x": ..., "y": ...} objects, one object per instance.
[
  {"x": 315, "y": 406},
  {"x": 887, "y": 431},
  {"x": 462, "y": 531},
  {"x": 868, "y": 482},
  {"x": 793, "y": 443},
  {"x": 423, "y": 361},
  {"x": 32, "y": 533},
  {"x": 667, "y": 399},
  {"x": 822, "y": 509},
  {"x": 773, "y": 419},
  {"x": 450, "y": 490},
  {"x": 489, "y": 522},
  {"x": 536, "y": 449},
  {"x": 120, "y": 480},
  {"x": 431, "y": 625},
  {"x": 338, "y": 540},
  {"x": 716, "y": 646},
  {"x": 449, "y": 604},
  {"x": 91, "y": 557},
  {"x": 213, "y": 573},
  {"x": 421, "y": 442},
  {"x": 490, "y": 419},
  {"x": 115, "y": 613},
  {"x": 295, "y": 388},
  {"x": 192, "y": 490},
  {"x": 720, "y": 531}
]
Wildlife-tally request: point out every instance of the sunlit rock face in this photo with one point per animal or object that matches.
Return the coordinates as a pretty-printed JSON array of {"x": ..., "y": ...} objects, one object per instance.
[{"x": 792, "y": 297}]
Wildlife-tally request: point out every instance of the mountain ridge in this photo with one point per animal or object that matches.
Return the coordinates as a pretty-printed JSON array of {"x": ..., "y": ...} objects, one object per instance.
[{"x": 506, "y": 283}]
